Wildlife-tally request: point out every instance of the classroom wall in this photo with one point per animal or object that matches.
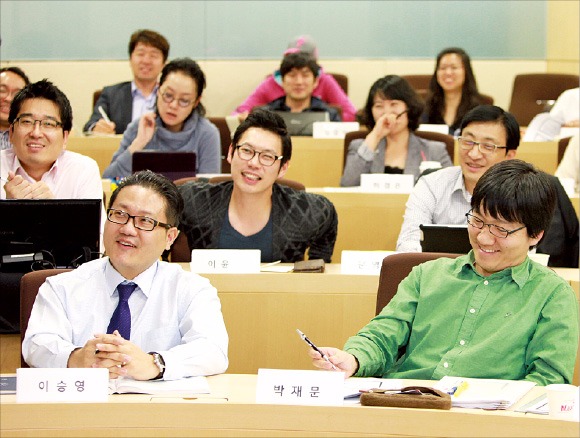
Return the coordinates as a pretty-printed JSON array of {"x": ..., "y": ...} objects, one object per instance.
[{"x": 231, "y": 80}]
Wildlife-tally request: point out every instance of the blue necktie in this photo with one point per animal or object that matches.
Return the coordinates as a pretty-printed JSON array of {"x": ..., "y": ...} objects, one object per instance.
[{"x": 121, "y": 319}]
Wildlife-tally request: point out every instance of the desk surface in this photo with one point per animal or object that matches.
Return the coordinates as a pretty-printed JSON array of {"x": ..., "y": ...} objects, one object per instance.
[{"x": 230, "y": 410}]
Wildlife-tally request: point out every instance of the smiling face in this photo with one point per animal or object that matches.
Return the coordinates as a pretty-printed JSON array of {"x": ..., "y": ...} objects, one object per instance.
[
  {"x": 10, "y": 84},
  {"x": 450, "y": 72},
  {"x": 396, "y": 107},
  {"x": 251, "y": 176},
  {"x": 130, "y": 249},
  {"x": 146, "y": 63},
  {"x": 177, "y": 87},
  {"x": 494, "y": 254},
  {"x": 299, "y": 83},
  {"x": 473, "y": 162},
  {"x": 38, "y": 149}
]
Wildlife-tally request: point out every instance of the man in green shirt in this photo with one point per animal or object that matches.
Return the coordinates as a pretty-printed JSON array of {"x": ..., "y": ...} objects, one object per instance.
[{"x": 492, "y": 313}]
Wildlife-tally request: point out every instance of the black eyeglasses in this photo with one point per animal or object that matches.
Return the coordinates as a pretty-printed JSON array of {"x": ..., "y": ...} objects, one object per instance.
[
  {"x": 28, "y": 123},
  {"x": 484, "y": 147},
  {"x": 496, "y": 230},
  {"x": 246, "y": 153},
  {"x": 170, "y": 97},
  {"x": 140, "y": 222}
]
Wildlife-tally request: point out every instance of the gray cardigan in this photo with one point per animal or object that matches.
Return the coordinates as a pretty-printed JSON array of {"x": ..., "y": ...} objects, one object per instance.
[
  {"x": 199, "y": 135},
  {"x": 360, "y": 159}
]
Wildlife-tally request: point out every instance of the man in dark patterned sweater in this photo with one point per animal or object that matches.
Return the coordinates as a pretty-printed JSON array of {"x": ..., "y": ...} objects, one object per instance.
[{"x": 252, "y": 211}]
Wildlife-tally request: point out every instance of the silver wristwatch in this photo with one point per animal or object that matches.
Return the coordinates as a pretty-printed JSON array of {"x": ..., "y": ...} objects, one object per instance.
[{"x": 158, "y": 360}]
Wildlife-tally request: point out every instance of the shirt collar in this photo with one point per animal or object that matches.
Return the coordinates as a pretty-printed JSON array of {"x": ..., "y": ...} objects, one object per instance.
[
  {"x": 144, "y": 280},
  {"x": 136, "y": 91},
  {"x": 519, "y": 273},
  {"x": 19, "y": 169}
]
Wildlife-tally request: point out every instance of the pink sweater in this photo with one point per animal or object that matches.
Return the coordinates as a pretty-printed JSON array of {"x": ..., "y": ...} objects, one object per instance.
[{"x": 327, "y": 90}]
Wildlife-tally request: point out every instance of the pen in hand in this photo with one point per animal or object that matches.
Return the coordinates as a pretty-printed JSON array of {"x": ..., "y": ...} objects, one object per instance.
[
  {"x": 104, "y": 114},
  {"x": 315, "y": 348}
]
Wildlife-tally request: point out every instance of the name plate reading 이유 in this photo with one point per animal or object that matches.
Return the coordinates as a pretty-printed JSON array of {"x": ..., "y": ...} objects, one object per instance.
[
  {"x": 34, "y": 385},
  {"x": 225, "y": 261},
  {"x": 386, "y": 183},
  {"x": 362, "y": 262},
  {"x": 300, "y": 387}
]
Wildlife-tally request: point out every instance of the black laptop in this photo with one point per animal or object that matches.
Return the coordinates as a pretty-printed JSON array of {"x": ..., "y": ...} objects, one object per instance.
[
  {"x": 301, "y": 123},
  {"x": 445, "y": 238},
  {"x": 173, "y": 165}
]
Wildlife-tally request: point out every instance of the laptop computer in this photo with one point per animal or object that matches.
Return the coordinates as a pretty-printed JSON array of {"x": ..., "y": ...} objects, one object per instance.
[
  {"x": 301, "y": 123},
  {"x": 445, "y": 238},
  {"x": 173, "y": 165}
]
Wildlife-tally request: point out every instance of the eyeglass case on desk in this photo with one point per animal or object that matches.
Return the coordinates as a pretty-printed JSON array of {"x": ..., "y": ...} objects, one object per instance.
[{"x": 427, "y": 398}]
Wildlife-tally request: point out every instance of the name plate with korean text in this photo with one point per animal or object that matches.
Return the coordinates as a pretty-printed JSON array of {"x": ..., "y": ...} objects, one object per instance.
[
  {"x": 300, "y": 387},
  {"x": 386, "y": 183},
  {"x": 225, "y": 261},
  {"x": 362, "y": 262},
  {"x": 34, "y": 385},
  {"x": 333, "y": 129}
]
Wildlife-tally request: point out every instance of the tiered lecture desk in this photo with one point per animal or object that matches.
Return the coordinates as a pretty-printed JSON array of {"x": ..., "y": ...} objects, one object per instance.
[{"x": 231, "y": 410}]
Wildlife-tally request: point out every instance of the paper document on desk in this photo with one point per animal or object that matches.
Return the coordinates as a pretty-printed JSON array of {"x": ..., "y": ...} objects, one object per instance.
[
  {"x": 179, "y": 388},
  {"x": 536, "y": 406},
  {"x": 484, "y": 393}
]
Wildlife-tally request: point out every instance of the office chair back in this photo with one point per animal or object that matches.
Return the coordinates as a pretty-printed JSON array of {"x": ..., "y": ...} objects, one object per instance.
[
  {"x": 395, "y": 268},
  {"x": 427, "y": 135},
  {"x": 531, "y": 93},
  {"x": 342, "y": 81},
  {"x": 29, "y": 285},
  {"x": 225, "y": 140}
]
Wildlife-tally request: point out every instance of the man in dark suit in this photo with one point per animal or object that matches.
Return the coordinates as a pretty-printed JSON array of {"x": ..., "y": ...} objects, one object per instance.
[{"x": 127, "y": 101}]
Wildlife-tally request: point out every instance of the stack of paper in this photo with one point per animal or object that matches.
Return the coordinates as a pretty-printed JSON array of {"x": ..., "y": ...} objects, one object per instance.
[{"x": 484, "y": 393}]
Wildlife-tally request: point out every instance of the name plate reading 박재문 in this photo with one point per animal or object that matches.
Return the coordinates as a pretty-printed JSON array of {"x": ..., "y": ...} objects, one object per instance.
[
  {"x": 225, "y": 261},
  {"x": 386, "y": 183},
  {"x": 34, "y": 385},
  {"x": 333, "y": 129},
  {"x": 362, "y": 262},
  {"x": 300, "y": 387}
]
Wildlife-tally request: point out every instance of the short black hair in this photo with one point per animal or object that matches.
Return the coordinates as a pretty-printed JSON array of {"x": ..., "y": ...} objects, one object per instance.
[
  {"x": 190, "y": 68},
  {"x": 394, "y": 87},
  {"x": 149, "y": 38},
  {"x": 516, "y": 191},
  {"x": 492, "y": 113},
  {"x": 43, "y": 89},
  {"x": 270, "y": 121},
  {"x": 159, "y": 184},
  {"x": 17, "y": 71},
  {"x": 299, "y": 60}
]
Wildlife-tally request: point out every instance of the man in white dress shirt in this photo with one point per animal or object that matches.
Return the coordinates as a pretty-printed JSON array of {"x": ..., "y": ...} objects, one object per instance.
[{"x": 168, "y": 326}]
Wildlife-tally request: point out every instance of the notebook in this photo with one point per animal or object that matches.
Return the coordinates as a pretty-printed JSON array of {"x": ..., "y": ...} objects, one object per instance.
[
  {"x": 445, "y": 238},
  {"x": 173, "y": 165},
  {"x": 301, "y": 123}
]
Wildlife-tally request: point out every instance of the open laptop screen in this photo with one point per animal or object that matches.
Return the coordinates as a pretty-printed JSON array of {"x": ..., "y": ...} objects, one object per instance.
[
  {"x": 64, "y": 232},
  {"x": 445, "y": 238},
  {"x": 301, "y": 123},
  {"x": 173, "y": 165}
]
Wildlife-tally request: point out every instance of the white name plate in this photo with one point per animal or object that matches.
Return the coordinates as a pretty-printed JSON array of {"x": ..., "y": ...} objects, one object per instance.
[
  {"x": 34, "y": 385},
  {"x": 225, "y": 261},
  {"x": 362, "y": 262},
  {"x": 300, "y": 387},
  {"x": 333, "y": 129},
  {"x": 386, "y": 183},
  {"x": 440, "y": 128}
]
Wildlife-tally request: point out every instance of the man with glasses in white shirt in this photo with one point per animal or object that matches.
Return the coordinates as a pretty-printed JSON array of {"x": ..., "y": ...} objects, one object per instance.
[{"x": 489, "y": 135}]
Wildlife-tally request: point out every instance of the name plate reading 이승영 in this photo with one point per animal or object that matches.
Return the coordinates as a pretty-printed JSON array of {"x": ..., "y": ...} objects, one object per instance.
[
  {"x": 225, "y": 261},
  {"x": 386, "y": 183},
  {"x": 34, "y": 385},
  {"x": 300, "y": 387},
  {"x": 362, "y": 262}
]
